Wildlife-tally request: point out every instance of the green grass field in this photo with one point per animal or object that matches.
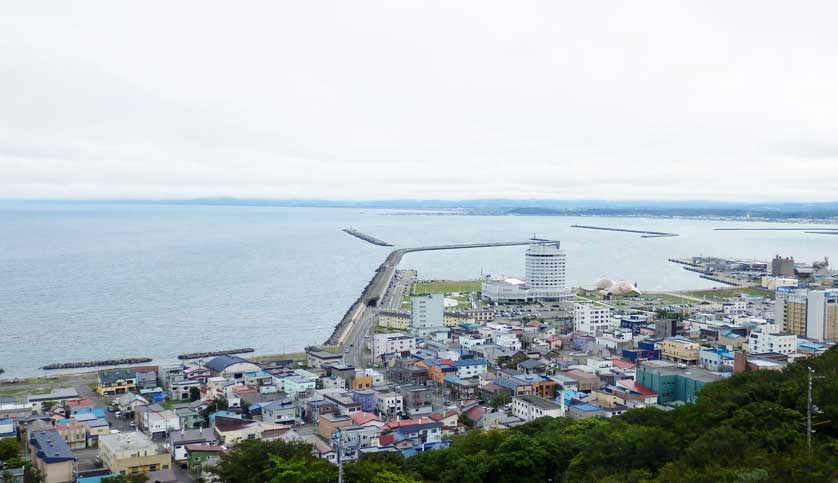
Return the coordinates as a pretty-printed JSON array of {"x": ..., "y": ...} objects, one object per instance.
[
  {"x": 445, "y": 286},
  {"x": 723, "y": 293}
]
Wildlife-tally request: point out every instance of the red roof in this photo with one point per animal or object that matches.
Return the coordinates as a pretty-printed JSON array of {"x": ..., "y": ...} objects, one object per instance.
[
  {"x": 406, "y": 422},
  {"x": 446, "y": 361},
  {"x": 387, "y": 439},
  {"x": 622, "y": 363},
  {"x": 80, "y": 402},
  {"x": 636, "y": 387},
  {"x": 361, "y": 418},
  {"x": 534, "y": 323}
]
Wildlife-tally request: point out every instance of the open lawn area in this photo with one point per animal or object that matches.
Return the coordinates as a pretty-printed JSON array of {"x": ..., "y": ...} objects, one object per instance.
[
  {"x": 722, "y": 293},
  {"x": 445, "y": 286}
]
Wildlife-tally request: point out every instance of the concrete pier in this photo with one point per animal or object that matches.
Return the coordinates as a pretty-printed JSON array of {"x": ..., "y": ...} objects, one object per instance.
[
  {"x": 646, "y": 234},
  {"x": 375, "y": 290},
  {"x": 367, "y": 238}
]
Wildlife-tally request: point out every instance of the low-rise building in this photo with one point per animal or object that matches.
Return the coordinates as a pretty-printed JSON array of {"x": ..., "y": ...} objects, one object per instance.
[
  {"x": 318, "y": 358},
  {"x": 132, "y": 452},
  {"x": 230, "y": 367},
  {"x": 389, "y": 403},
  {"x": 180, "y": 440},
  {"x": 760, "y": 342},
  {"x": 673, "y": 383},
  {"x": 398, "y": 344},
  {"x": 592, "y": 318},
  {"x": 116, "y": 381},
  {"x": 50, "y": 454},
  {"x": 468, "y": 368},
  {"x": 680, "y": 349},
  {"x": 58, "y": 395},
  {"x": 529, "y": 408}
]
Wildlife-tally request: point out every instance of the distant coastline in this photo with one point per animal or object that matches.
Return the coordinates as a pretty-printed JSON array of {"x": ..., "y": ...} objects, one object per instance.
[{"x": 786, "y": 212}]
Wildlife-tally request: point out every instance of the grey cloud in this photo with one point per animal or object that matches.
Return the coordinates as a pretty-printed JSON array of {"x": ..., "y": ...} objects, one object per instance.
[{"x": 382, "y": 99}]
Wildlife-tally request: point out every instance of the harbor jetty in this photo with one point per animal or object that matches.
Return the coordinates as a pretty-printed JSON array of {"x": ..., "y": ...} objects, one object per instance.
[
  {"x": 807, "y": 230},
  {"x": 822, "y": 232},
  {"x": 377, "y": 286},
  {"x": 201, "y": 355},
  {"x": 109, "y": 362},
  {"x": 367, "y": 238},
  {"x": 645, "y": 234}
]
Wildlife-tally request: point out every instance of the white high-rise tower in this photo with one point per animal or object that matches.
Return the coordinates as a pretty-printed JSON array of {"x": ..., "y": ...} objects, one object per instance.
[{"x": 546, "y": 272}]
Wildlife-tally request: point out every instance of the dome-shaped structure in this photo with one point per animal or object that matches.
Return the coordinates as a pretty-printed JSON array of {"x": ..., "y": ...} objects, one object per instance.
[{"x": 616, "y": 287}]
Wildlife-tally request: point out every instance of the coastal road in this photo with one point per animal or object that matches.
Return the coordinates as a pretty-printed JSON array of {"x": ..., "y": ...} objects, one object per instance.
[{"x": 355, "y": 342}]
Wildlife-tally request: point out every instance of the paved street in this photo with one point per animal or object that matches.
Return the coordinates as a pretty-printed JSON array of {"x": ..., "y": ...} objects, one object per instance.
[{"x": 356, "y": 341}]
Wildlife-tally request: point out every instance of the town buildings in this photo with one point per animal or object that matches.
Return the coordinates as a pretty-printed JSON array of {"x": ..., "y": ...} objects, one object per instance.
[
  {"x": 592, "y": 318},
  {"x": 528, "y": 408},
  {"x": 808, "y": 313},
  {"x": 132, "y": 452}
]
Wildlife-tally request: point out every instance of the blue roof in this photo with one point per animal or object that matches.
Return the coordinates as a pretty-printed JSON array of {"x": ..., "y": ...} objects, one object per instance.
[
  {"x": 98, "y": 412},
  {"x": 810, "y": 345},
  {"x": 585, "y": 407},
  {"x": 97, "y": 423},
  {"x": 51, "y": 447},
  {"x": 95, "y": 479},
  {"x": 470, "y": 362},
  {"x": 451, "y": 378},
  {"x": 219, "y": 363}
]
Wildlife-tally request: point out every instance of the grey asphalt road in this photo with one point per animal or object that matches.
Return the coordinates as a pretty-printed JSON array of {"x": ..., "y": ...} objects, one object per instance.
[{"x": 356, "y": 341}]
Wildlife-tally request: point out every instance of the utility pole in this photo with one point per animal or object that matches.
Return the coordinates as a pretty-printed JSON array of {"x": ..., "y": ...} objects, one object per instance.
[
  {"x": 811, "y": 373},
  {"x": 340, "y": 455}
]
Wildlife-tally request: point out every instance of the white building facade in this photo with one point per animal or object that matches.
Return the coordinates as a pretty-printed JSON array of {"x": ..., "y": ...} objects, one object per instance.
[
  {"x": 593, "y": 319},
  {"x": 531, "y": 407},
  {"x": 781, "y": 343},
  {"x": 546, "y": 272},
  {"x": 392, "y": 344},
  {"x": 427, "y": 313}
]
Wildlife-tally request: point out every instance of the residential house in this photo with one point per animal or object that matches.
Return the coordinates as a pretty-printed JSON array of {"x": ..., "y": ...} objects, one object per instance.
[
  {"x": 365, "y": 398},
  {"x": 116, "y": 381},
  {"x": 389, "y": 403},
  {"x": 417, "y": 431},
  {"x": 329, "y": 423},
  {"x": 158, "y": 424},
  {"x": 180, "y": 440},
  {"x": 232, "y": 431},
  {"x": 532, "y": 366},
  {"x": 146, "y": 377},
  {"x": 49, "y": 453},
  {"x": 230, "y": 367},
  {"x": 59, "y": 396},
  {"x": 468, "y": 368},
  {"x": 530, "y": 407},
  {"x": 128, "y": 403},
  {"x": 582, "y": 410},
  {"x": 344, "y": 404},
  {"x": 8, "y": 428},
  {"x": 200, "y": 458},
  {"x": 317, "y": 358},
  {"x": 131, "y": 453},
  {"x": 281, "y": 411},
  {"x": 417, "y": 400},
  {"x": 680, "y": 349},
  {"x": 189, "y": 417},
  {"x": 73, "y": 432}
]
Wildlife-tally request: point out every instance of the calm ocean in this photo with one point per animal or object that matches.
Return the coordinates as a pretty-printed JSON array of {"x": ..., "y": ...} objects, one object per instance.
[{"x": 98, "y": 281}]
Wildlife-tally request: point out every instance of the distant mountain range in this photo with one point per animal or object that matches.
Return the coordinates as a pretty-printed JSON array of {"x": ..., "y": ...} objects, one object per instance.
[{"x": 541, "y": 207}]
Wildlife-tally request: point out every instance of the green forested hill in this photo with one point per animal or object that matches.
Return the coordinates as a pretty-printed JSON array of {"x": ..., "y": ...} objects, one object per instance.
[{"x": 750, "y": 428}]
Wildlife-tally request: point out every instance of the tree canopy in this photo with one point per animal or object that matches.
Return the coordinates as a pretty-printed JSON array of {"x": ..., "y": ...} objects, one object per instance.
[{"x": 748, "y": 428}]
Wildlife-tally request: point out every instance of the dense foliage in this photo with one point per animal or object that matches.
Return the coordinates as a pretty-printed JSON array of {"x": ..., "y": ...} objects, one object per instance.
[{"x": 750, "y": 428}]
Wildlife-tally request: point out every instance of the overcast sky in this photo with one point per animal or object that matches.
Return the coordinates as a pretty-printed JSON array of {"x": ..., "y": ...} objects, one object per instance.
[{"x": 394, "y": 99}]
